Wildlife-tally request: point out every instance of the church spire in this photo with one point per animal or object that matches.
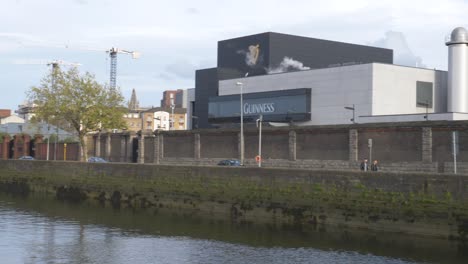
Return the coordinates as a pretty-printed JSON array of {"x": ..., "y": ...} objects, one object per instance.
[{"x": 133, "y": 103}]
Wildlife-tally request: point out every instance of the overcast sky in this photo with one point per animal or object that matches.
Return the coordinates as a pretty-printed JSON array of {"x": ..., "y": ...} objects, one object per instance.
[{"x": 177, "y": 37}]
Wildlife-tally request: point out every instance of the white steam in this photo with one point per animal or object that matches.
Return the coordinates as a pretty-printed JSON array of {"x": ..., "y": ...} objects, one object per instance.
[
  {"x": 402, "y": 53},
  {"x": 288, "y": 64}
]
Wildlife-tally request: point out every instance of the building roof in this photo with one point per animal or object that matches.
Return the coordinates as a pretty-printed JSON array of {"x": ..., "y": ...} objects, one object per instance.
[
  {"x": 35, "y": 128},
  {"x": 167, "y": 109}
]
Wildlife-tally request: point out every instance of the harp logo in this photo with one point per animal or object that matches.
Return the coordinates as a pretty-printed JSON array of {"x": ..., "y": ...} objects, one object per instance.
[{"x": 251, "y": 57}]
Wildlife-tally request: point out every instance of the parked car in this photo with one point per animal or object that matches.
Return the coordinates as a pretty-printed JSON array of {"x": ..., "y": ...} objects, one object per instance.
[
  {"x": 97, "y": 160},
  {"x": 26, "y": 158},
  {"x": 230, "y": 162}
]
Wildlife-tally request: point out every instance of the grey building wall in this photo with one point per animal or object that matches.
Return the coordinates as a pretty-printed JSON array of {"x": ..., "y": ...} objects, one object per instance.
[
  {"x": 181, "y": 99},
  {"x": 320, "y": 53},
  {"x": 274, "y": 47},
  {"x": 206, "y": 83}
]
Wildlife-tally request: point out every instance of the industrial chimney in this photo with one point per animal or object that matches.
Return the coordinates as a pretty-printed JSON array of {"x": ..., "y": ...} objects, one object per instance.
[{"x": 457, "y": 99}]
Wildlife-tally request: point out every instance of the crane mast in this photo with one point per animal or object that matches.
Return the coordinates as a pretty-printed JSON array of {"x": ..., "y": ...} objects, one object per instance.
[
  {"x": 113, "y": 61},
  {"x": 113, "y": 67}
]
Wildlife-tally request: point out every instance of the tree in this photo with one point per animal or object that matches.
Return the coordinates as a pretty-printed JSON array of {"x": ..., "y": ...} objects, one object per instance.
[{"x": 80, "y": 101}]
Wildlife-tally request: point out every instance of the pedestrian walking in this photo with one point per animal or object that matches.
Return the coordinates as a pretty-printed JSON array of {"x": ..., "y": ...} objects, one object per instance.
[
  {"x": 375, "y": 166},
  {"x": 364, "y": 165}
]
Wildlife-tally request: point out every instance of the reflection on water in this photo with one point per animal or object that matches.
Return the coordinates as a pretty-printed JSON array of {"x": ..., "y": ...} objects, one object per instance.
[{"x": 41, "y": 230}]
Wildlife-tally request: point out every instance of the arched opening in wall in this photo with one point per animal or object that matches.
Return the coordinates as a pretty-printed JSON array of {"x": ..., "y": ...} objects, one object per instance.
[
  {"x": 135, "y": 150},
  {"x": 32, "y": 148},
  {"x": 11, "y": 149}
]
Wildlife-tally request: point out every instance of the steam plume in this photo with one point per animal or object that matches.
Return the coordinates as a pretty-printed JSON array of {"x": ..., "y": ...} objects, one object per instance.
[
  {"x": 288, "y": 64},
  {"x": 402, "y": 53}
]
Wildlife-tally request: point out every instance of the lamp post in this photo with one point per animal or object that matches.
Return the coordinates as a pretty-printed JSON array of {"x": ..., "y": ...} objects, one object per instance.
[
  {"x": 172, "y": 116},
  {"x": 194, "y": 118},
  {"x": 240, "y": 84},
  {"x": 353, "y": 109},
  {"x": 48, "y": 141},
  {"x": 55, "y": 143},
  {"x": 259, "y": 125},
  {"x": 426, "y": 104}
]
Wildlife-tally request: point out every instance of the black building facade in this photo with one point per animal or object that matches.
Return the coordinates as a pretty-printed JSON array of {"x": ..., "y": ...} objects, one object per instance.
[{"x": 270, "y": 52}]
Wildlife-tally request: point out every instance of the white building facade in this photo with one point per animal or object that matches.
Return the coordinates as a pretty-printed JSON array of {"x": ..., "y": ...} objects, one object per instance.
[{"x": 377, "y": 92}]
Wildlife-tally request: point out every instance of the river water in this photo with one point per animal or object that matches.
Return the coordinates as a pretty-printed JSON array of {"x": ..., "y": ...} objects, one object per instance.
[{"x": 42, "y": 230}]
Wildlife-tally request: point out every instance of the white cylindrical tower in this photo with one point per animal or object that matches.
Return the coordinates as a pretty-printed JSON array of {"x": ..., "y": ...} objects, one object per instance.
[{"x": 457, "y": 94}]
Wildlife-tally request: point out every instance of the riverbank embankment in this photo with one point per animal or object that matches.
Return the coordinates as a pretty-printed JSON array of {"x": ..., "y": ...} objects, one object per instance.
[{"x": 413, "y": 203}]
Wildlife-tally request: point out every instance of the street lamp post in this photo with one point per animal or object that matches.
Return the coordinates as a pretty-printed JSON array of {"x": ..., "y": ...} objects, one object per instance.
[
  {"x": 426, "y": 104},
  {"x": 172, "y": 116},
  {"x": 55, "y": 143},
  {"x": 48, "y": 141},
  {"x": 240, "y": 84},
  {"x": 194, "y": 126},
  {"x": 353, "y": 109},
  {"x": 259, "y": 125}
]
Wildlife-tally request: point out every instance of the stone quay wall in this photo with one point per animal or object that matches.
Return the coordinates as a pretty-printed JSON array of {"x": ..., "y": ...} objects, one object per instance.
[
  {"x": 427, "y": 204},
  {"x": 406, "y": 147}
]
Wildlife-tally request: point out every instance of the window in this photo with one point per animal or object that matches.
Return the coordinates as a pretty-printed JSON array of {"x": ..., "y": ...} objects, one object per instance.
[{"x": 424, "y": 94}]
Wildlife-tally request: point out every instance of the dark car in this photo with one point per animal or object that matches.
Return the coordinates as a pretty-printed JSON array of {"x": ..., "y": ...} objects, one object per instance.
[
  {"x": 26, "y": 158},
  {"x": 97, "y": 160},
  {"x": 230, "y": 162}
]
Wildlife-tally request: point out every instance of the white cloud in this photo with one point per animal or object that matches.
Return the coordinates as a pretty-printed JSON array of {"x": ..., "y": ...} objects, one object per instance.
[{"x": 178, "y": 36}]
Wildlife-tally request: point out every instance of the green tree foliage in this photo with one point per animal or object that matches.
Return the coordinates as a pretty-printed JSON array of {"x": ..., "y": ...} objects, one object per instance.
[{"x": 80, "y": 101}]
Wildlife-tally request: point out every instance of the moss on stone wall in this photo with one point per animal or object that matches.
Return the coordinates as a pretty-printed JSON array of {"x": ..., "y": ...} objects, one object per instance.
[{"x": 425, "y": 204}]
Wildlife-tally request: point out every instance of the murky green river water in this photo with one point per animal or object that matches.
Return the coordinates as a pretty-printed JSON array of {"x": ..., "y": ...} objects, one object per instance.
[{"x": 42, "y": 230}]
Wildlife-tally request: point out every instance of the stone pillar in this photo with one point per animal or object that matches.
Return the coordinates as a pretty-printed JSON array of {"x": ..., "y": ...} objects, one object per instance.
[
  {"x": 6, "y": 147},
  {"x": 292, "y": 145},
  {"x": 123, "y": 147},
  {"x": 196, "y": 141},
  {"x": 156, "y": 149},
  {"x": 97, "y": 151},
  {"x": 161, "y": 146},
  {"x": 108, "y": 147},
  {"x": 17, "y": 140},
  {"x": 39, "y": 151},
  {"x": 141, "y": 148},
  {"x": 427, "y": 145},
  {"x": 353, "y": 145},
  {"x": 26, "y": 145}
]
